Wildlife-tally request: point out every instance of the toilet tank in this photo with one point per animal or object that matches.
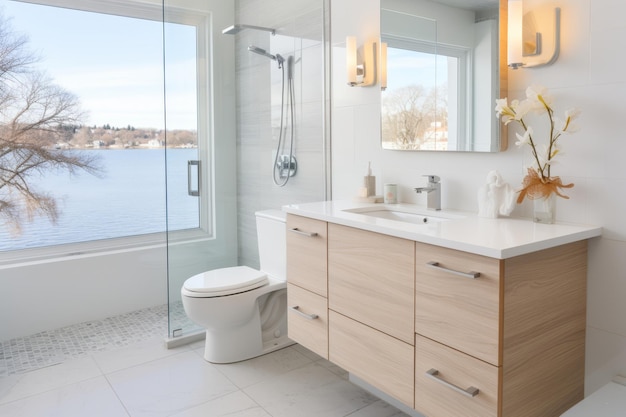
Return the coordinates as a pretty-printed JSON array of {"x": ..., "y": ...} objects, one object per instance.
[{"x": 272, "y": 242}]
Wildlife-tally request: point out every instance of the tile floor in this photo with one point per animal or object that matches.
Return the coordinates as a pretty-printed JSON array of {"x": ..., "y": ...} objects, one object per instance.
[{"x": 146, "y": 380}]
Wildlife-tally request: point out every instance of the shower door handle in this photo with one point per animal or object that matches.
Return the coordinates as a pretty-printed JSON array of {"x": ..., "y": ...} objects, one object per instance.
[{"x": 190, "y": 190}]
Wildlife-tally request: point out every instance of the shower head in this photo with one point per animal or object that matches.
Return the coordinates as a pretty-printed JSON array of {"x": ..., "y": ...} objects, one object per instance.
[
  {"x": 278, "y": 58},
  {"x": 235, "y": 29},
  {"x": 261, "y": 51}
]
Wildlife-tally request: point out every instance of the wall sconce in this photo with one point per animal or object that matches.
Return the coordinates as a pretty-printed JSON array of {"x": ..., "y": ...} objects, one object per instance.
[
  {"x": 362, "y": 73},
  {"x": 524, "y": 41},
  {"x": 383, "y": 66}
]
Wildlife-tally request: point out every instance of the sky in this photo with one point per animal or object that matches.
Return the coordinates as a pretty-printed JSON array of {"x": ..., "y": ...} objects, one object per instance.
[{"x": 113, "y": 64}]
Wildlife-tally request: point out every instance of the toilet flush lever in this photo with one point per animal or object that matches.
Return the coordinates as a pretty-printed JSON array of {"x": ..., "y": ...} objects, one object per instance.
[{"x": 296, "y": 309}]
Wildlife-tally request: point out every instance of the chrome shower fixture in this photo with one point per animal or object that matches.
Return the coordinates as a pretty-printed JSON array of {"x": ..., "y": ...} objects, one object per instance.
[
  {"x": 278, "y": 58},
  {"x": 235, "y": 29}
]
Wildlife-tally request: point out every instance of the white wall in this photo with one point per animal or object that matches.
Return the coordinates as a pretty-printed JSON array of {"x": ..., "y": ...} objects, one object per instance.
[{"x": 588, "y": 75}]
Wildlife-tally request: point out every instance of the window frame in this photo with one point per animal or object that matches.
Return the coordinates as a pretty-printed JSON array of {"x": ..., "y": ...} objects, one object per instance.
[
  {"x": 141, "y": 9},
  {"x": 463, "y": 75}
]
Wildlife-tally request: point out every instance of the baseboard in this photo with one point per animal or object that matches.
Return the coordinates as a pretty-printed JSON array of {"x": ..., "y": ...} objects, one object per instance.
[{"x": 385, "y": 397}]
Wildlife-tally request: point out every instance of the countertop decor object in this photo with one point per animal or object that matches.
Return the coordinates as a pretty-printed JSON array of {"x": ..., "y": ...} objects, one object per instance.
[
  {"x": 539, "y": 184},
  {"x": 496, "y": 197}
]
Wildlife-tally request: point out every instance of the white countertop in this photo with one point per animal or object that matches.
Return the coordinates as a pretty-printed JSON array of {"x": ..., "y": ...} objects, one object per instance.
[{"x": 496, "y": 238}]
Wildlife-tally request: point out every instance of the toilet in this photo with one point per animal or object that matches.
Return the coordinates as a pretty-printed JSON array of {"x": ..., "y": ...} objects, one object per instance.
[
  {"x": 608, "y": 401},
  {"x": 244, "y": 310}
]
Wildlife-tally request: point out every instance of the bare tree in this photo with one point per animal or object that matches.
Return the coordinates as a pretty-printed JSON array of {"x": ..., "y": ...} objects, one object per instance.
[
  {"x": 405, "y": 116},
  {"x": 33, "y": 115}
]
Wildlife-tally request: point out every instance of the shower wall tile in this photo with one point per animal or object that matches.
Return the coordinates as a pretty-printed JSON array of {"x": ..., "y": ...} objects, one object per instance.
[{"x": 300, "y": 27}]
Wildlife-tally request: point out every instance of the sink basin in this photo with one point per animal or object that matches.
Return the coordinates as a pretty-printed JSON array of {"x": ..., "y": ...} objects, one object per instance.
[{"x": 402, "y": 214}]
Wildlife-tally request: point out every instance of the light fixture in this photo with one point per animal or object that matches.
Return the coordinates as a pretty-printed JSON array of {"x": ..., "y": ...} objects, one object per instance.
[
  {"x": 383, "y": 66},
  {"x": 525, "y": 41},
  {"x": 361, "y": 73}
]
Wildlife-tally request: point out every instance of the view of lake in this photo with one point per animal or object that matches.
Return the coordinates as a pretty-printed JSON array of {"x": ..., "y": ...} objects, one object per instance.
[{"x": 128, "y": 200}]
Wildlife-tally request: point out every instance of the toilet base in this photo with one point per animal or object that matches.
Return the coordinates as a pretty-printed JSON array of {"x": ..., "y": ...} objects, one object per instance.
[
  {"x": 264, "y": 333},
  {"x": 215, "y": 353}
]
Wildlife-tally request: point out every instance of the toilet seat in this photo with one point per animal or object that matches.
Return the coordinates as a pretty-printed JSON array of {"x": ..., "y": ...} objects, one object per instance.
[{"x": 225, "y": 281}]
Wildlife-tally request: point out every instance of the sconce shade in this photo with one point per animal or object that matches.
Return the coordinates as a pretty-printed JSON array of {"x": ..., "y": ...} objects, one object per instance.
[
  {"x": 361, "y": 73},
  {"x": 383, "y": 65},
  {"x": 514, "y": 43},
  {"x": 351, "y": 60}
]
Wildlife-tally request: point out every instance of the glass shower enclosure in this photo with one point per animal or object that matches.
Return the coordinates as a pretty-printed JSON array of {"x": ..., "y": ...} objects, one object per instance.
[{"x": 222, "y": 117}]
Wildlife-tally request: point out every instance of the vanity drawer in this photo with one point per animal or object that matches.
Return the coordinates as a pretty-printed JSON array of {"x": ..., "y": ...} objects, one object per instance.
[
  {"x": 307, "y": 253},
  {"x": 444, "y": 379},
  {"x": 371, "y": 278},
  {"x": 455, "y": 309},
  {"x": 307, "y": 319},
  {"x": 377, "y": 358}
]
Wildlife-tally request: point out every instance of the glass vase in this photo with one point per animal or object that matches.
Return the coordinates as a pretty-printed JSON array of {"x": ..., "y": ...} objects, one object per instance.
[{"x": 544, "y": 209}]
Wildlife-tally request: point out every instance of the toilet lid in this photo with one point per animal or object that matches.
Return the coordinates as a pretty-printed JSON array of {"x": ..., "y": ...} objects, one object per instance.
[{"x": 226, "y": 281}]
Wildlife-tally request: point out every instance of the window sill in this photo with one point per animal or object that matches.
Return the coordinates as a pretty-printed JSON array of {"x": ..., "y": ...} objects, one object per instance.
[{"x": 59, "y": 253}]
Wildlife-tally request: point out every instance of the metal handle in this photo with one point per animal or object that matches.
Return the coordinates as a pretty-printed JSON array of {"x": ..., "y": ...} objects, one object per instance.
[
  {"x": 433, "y": 179},
  {"x": 190, "y": 191},
  {"x": 469, "y": 392},
  {"x": 296, "y": 309},
  {"x": 300, "y": 232},
  {"x": 471, "y": 274}
]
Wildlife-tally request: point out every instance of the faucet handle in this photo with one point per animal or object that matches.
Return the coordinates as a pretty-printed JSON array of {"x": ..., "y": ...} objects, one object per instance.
[{"x": 433, "y": 179}]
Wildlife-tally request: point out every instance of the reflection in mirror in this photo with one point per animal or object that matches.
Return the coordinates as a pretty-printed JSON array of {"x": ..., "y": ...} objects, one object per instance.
[{"x": 442, "y": 75}]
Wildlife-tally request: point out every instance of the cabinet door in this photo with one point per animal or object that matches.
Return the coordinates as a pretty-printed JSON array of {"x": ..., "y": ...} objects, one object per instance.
[
  {"x": 454, "y": 309},
  {"x": 379, "y": 359},
  {"x": 449, "y": 383},
  {"x": 306, "y": 253},
  {"x": 308, "y": 319},
  {"x": 371, "y": 278}
]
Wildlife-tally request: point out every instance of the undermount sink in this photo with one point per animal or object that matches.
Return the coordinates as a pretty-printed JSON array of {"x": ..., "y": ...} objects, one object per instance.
[{"x": 403, "y": 214}]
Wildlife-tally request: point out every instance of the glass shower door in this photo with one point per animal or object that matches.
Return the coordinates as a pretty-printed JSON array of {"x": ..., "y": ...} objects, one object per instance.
[{"x": 201, "y": 220}]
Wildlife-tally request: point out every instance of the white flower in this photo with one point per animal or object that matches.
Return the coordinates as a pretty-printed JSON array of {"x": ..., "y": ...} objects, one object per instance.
[
  {"x": 524, "y": 139},
  {"x": 538, "y": 100},
  {"x": 538, "y": 96}
]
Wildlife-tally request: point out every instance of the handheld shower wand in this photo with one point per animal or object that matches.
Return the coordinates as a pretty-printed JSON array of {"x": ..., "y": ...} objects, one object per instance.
[{"x": 278, "y": 58}]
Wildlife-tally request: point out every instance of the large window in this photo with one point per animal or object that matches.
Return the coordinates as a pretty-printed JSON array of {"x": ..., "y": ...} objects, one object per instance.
[{"x": 141, "y": 105}]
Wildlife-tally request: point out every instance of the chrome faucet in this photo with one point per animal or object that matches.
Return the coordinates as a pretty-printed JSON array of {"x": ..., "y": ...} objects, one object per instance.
[{"x": 434, "y": 192}]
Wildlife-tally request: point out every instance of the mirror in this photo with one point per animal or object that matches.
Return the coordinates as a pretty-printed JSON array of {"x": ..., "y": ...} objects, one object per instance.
[{"x": 443, "y": 75}]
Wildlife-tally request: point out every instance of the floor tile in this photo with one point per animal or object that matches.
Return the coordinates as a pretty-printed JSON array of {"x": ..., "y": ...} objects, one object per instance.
[
  {"x": 79, "y": 340},
  {"x": 169, "y": 385},
  {"x": 92, "y": 398},
  {"x": 114, "y": 360},
  {"x": 246, "y": 373},
  {"x": 378, "y": 409},
  {"x": 310, "y": 391},
  {"x": 236, "y": 404},
  {"x": 15, "y": 387}
]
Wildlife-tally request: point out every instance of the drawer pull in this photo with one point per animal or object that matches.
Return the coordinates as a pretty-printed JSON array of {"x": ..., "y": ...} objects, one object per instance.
[
  {"x": 471, "y": 274},
  {"x": 469, "y": 392},
  {"x": 296, "y": 309},
  {"x": 300, "y": 232}
]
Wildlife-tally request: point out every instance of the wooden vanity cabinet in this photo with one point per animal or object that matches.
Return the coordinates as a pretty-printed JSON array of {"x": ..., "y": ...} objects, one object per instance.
[
  {"x": 446, "y": 332},
  {"x": 521, "y": 319},
  {"x": 307, "y": 283},
  {"x": 371, "y": 286}
]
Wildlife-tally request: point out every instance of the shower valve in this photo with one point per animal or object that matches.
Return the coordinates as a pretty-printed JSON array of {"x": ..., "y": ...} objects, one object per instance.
[{"x": 286, "y": 167}]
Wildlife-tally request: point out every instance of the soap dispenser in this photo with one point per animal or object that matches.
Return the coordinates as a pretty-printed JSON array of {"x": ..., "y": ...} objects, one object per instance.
[{"x": 369, "y": 181}]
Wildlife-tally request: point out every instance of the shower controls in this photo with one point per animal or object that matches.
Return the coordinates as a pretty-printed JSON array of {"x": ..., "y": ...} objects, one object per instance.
[{"x": 285, "y": 167}]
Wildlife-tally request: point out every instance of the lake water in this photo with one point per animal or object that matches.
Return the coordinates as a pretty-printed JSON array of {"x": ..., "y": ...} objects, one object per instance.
[{"x": 130, "y": 199}]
